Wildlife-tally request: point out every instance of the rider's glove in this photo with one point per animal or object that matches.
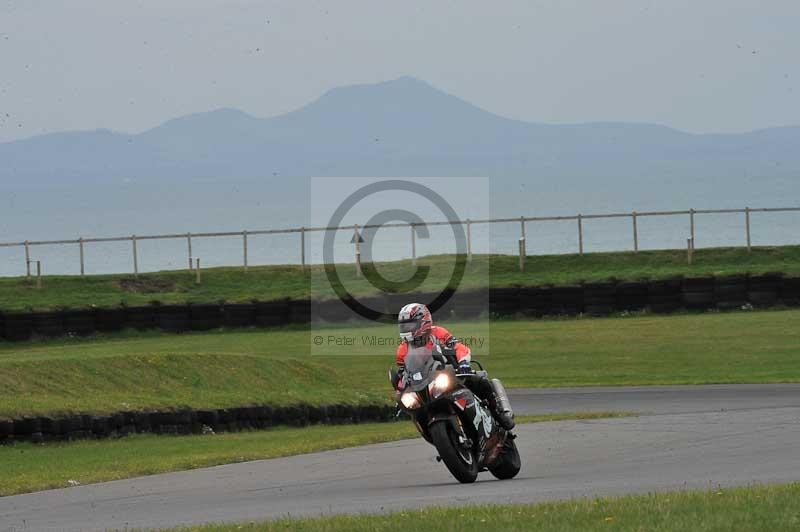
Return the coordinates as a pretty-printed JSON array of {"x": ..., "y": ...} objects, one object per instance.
[
  {"x": 464, "y": 368},
  {"x": 401, "y": 370}
]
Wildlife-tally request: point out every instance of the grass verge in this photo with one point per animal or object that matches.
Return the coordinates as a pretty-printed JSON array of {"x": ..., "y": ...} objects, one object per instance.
[
  {"x": 754, "y": 508},
  {"x": 275, "y": 282},
  {"x": 223, "y": 369},
  {"x": 27, "y": 467}
]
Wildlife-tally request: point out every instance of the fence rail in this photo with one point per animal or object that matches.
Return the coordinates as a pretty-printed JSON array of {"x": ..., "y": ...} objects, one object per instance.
[{"x": 522, "y": 220}]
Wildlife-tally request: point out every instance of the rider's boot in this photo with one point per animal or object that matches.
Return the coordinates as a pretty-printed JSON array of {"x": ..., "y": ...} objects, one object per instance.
[{"x": 502, "y": 406}]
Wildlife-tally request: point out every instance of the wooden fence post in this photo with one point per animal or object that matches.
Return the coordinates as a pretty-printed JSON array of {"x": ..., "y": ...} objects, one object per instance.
[
  {"x": 522, "y": 254},
  {"x": 580, "y": 234},
  {"x": 80, "y": 243},
  {"x": 189, "y": 244},
  {"x": 27, "y": 259},
  {"x": 303, "y": 247},
  {"x": 197, "y": 271},
  {"x": 244, "y": 248},
  {"x": 635, "y": 234},
  {"x": 135, "y": 257},
  {"x": 469, "y": 241},
  {"x": 357, "y": 240},
  {"x": 747, "y": 225}
]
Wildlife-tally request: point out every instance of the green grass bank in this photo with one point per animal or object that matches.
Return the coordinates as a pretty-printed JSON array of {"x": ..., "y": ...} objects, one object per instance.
[
  {"x": 750, "y": 509},
  {"x": 218, "y": 369},
  {"x": 275, "y": 282}
]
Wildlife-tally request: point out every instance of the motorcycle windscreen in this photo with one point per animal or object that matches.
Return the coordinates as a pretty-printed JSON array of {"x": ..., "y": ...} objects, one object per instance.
[{"x": 420, "y": 367}]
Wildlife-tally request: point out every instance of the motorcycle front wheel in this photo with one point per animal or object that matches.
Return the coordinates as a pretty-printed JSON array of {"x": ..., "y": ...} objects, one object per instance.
[{"x": 459, "y": 459}]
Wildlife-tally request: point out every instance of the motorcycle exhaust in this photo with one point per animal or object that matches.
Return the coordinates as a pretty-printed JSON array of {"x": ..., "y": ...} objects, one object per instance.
[{"x": 502, "y": 397}]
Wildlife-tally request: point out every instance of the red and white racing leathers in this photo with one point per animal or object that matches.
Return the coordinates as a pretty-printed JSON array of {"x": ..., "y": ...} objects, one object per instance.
[{"x": 443, "y": 339}]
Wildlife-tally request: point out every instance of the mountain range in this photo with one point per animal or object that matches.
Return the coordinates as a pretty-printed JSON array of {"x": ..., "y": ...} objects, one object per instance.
[{"x": 402, "y": 127}]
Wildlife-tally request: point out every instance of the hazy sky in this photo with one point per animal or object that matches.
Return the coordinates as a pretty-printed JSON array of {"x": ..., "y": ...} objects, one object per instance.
[{"x": 701, "y": 66}]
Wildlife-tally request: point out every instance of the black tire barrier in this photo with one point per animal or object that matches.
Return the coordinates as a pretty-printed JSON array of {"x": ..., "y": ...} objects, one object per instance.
[
  {"x": 6, "y": 430},
  {"x": 504, "y": 301},
  {"x": 82, "y": 426},
  {"x": 17, "y": 327},
  {"x": 27, "y": 426},
  {"x": 698, "y": 300},
  {"x": 790, "y": 291},
  {"x": 109, "y": 319},
  {"x": 699, "y": 284},
  {"x": 174, "y": 318},
  {"x": 272, "y": 313},
  {"x": 239, "y": 315},
  {"x": 698, "y": 293},
  {"x": 301, "y": 310},
  {"x": 49, "y": 324},
  {"x": 394, "y": 302},
  {"x": 664, "y": 304},
  {"x": 333, "y": 311},
  {"x": 693, "y": 293},
  {"x": 535, "y": 300},
  {"x": 141, "y": 318},
  {"x": 665, "y": 296},
  {"x": 599, "y": 299},
  {"x": 631, "y": 295},
  {"x": 79, "y": 322},
  {"x": 730, "y": 292},
  {"x": 461, "y": 304},
  {"x": 76, "y": 427},
  {"x": 764, "y": 290},
  {"x": 379, "y": 303},
  {"x": 567, "y": 300},
  {"x": 205, "y": 317}
]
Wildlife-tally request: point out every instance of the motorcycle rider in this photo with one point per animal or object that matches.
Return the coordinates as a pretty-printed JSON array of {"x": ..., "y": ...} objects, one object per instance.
[{"x": 416, "y": 328}]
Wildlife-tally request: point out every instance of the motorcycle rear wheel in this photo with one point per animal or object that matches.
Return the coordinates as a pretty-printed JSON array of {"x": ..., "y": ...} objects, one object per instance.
[
  {"x": 508, "y": 463},
  {"x": 459, "y": 461}
]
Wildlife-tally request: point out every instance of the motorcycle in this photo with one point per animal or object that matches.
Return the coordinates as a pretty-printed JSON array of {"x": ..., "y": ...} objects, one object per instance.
[{"x": 452, "y": 418}]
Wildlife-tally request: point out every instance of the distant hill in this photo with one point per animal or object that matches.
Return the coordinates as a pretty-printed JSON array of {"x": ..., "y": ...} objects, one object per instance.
[{"x": 395, "y": 128}]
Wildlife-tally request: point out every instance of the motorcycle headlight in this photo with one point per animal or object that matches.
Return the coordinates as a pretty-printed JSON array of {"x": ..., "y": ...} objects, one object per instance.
[
  {"x": 410, "y": 400},
  {"x": 440, "y": 385}
]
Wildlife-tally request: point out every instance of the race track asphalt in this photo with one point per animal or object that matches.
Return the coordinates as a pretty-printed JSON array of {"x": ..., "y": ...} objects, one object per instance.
[{"x": 690, "y": 437}]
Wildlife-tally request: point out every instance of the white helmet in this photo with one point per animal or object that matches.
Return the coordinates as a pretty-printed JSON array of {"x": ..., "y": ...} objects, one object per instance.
[{"x": 414, "y": 321}]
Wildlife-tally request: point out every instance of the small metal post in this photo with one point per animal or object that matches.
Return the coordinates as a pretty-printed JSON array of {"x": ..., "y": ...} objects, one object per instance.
[
  {"x": 469, "y": 241},
  {"x": 522, "y": 244},
  {"x": 38, "y": 274},
  {"x": 189, "y": 244},
  {"x": 689, "y": 250},
  {"x": 135, "y": 257},
  {"x": 303, "y": 247},
  {"x": 27, "y": 259},
  {"x": 197, "y": 270},
  {"x": 580, "y": 234},
  {"x": 691, "y": 225},
  {"x": 358, "y": 250},
  {"x": 244, "y": 250},
  {"x": 747, "y": 225},
  {"x": 413, "y": 245},
  {"x": 80, "y": 243},
  {"x": 635, "y": 234}
]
